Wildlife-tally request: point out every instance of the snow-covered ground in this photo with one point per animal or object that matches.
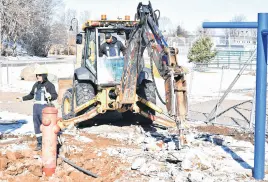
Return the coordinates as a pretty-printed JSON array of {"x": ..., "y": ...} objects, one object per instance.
[{"x": 14, "y": 123}]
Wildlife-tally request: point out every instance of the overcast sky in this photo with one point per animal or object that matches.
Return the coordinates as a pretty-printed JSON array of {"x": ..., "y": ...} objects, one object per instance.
[{"x": 189, "y": 13}]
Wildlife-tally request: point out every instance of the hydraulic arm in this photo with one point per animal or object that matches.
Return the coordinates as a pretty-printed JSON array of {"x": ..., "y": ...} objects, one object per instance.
[{"x": 147, "y": 35}]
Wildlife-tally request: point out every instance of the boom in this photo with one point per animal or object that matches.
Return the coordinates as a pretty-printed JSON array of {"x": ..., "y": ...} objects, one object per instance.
[{"x": 147, "y": 35}]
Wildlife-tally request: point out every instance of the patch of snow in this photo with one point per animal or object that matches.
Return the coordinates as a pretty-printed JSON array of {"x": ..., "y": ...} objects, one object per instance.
[{"x": 23, "y": 124}]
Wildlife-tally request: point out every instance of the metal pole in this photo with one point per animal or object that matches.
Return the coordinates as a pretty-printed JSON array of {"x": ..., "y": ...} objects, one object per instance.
[
  {"x": 252, "y": 113},
  {"x": 68, "y": 44},
  {"x": 229, "y": 44},
  {"x": 260, "y": 113},
  {"x": 222, "y": 73}
]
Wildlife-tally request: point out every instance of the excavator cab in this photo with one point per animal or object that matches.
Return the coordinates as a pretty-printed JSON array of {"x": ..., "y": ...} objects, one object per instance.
[{"x": 108, "y": 70}]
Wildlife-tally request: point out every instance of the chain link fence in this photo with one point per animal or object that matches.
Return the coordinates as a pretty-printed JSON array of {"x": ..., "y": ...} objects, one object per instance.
[{"x": 228, "y": 92}]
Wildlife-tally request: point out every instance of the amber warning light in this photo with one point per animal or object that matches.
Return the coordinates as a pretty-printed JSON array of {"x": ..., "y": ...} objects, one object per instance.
[
  {"x": 103, "y": 17},
  {"x": 127, "y": 17}
]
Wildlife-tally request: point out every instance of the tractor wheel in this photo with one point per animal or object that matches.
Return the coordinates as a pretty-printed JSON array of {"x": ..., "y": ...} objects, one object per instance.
[
  {"x": 67, "y": 105},
  {"x": 84, "y": 92},
  {"x": 146, "y": 91}
]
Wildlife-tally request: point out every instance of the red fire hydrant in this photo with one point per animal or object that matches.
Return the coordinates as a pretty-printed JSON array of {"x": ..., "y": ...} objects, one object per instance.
[{"x": 49, "y": 129}]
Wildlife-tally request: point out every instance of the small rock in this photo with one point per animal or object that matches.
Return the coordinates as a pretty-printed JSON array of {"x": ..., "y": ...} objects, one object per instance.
[
  {"x": 61, "y": 174},
  {"x": 156, "y": 180},
  {"x": 76, "y": 176},
  {"x": 149, "y": 169},
  {"x": 28, "y": 178},
  {"x": 160, "y": 144},
  {"x": 154, "y": 147},
  {"x": 37, "y": 157},
  {"x": 195, "y": 159},
  {"x": 88, "y": 165},
  {"x": 181, "y": 178},
  {"x": 112, "y": 152},
  {"x": 67, "y": 179},
  {"x": 195, "y": 176},
  {"x": 163, "y": 175},
  {"x": 187, "y": 163},
  {"x": 99, "y": 154},
  {"x": 140, "y": 140},
  {"x": 175, "y": 157},
  {"x": 138, "y": 162},
  {"x": 144, "y": 169},
  {"x": 3, "y": 163},
  {"x": 139, "y": 130},
  {"x": 36, "y": 170},
  {"x": 20, "y": 168},
  {"x": 174, "y": 171},
  {"x": 149, "y": 140},
  {"x": 27, "y": 153},
  {"x": 59, "y": 161},
  {"x": 171, "y": 146},
  {"x": 14, "y": 155},
  {"x": 12, "y": 170}
]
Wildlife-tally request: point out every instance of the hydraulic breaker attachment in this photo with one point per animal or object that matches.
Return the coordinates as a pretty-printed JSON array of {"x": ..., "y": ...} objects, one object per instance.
[{"x": 176, "y": 99}]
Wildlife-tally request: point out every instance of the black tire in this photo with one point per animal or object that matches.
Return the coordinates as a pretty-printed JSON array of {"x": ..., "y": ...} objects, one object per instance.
[
  {"x": 84, "y": 92},
  {"x": 65, "y": 107},
  {"x": 146, "y": 91}
]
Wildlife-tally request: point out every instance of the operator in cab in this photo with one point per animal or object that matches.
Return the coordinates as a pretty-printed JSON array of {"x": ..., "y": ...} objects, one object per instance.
[{"x": 111, "y": 47}]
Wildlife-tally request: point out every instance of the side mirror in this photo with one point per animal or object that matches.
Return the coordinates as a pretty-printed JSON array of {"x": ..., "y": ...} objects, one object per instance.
[{"x": 79, "y": 39}]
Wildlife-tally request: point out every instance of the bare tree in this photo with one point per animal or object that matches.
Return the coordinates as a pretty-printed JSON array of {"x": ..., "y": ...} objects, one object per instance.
[
  {"x": 234, "y": 32},
  {"x": 14, "y": 23},
  {"x": 205, "y": 31},
  {"x": 253, "y": 33},
  {"x": 165, "y": 24},
  {"x": 84, "y": 16},
  {"x": 181, "y": 32}
]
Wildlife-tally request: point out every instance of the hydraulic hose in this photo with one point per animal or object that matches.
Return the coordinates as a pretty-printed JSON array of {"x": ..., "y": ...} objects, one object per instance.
[
  {"x": 79, "y": 168},
  {"x": 159, "y": 96}
]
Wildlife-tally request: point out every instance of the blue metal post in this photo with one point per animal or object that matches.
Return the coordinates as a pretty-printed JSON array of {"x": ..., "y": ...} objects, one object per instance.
[
  {"x": 230, "y": 25},
  {"x": 261, "y": 81}
]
